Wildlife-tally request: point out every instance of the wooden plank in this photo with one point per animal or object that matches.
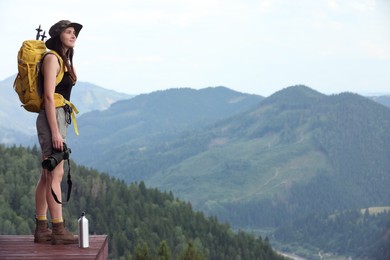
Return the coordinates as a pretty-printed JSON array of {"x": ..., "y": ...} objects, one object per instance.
[{"x": 23, "y": 247}]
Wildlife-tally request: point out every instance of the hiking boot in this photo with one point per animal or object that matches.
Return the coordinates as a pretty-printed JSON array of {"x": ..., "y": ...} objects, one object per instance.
[
  {"x": 61, "y": 236},
  {"x": 42, "y": 232}
]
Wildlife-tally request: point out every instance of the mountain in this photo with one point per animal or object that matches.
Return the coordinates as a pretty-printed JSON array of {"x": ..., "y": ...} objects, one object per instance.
[
  {"x": 296, "y": 155},
  {"x": 151, "y": 119},
  {"x": 251, "y": 161},
  {"x": 382, "y": 99},
  {"x": 274, "y": 161},
  {"x": 18, "y": 125},
  {"x": 297, "y": 150}
]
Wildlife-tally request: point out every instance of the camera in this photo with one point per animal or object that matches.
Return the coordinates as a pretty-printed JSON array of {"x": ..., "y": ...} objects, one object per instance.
[{"x": 53, "y": 160}]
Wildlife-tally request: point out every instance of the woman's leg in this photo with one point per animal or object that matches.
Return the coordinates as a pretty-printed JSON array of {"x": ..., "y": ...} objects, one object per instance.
[
  {"x": 54, "y": 182},
  {"x": 40, "y": 195},
  {"x": 42, "y": 233},
  {"x": 60, "y": 234}
]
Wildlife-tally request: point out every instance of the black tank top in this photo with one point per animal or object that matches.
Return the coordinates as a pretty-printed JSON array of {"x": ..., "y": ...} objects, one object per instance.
[{"x": 65, "y": 86}]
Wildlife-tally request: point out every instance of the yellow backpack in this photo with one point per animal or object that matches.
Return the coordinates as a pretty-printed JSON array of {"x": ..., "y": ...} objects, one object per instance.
[{"x": 27, "y": 82}]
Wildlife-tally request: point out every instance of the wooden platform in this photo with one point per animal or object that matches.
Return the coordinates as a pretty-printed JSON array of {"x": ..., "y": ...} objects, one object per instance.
[{"x": 23, "y": 247}]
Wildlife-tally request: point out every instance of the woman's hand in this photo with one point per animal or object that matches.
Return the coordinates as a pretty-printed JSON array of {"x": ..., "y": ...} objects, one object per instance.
[{"x": 58, "y": 141}]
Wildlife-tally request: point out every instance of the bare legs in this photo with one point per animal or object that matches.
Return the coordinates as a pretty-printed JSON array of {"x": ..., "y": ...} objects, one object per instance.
[
  {"x": 43, "y": 198},
  {"x": 44, "y": 201}
]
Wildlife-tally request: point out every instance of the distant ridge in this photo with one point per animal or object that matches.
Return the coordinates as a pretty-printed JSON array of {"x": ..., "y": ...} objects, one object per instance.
[
  {"x": 382, "y": 99},
  {"x": 153, "y": 118},
  {"x": 17, "y": 126}
]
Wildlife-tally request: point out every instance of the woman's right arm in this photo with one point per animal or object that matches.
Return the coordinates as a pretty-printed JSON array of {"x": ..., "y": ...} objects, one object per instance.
[{"x": 50, "y": 68}]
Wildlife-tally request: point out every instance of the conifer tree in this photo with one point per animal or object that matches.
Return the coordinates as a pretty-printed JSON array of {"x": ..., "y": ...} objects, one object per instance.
[
  {"x": 164, "y": 252},
  {"x": 191, "y": 253},
  {"x": 142, "y": 252}
]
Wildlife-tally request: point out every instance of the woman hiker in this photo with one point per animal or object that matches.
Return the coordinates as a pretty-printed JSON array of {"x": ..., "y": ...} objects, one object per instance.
[{"x": 52, "y": 123}]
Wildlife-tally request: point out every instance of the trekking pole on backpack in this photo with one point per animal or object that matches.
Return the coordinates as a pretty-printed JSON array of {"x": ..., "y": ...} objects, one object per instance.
[
  {"x": 43, "y": 36},
  {"x": 39, "y": 30}
]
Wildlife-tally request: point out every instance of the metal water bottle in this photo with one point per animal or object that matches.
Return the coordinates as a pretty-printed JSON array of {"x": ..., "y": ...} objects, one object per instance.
[{"x": 83, "y": 231}]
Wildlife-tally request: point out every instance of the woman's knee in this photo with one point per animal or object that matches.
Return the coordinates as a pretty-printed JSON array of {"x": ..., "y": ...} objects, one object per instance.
[
  {"x": 43, "y": 178},
  {"x": 57, "y": 173}
]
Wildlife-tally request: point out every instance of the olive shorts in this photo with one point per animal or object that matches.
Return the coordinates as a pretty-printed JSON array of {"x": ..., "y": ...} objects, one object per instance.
[{"x": 44, "y": 133}]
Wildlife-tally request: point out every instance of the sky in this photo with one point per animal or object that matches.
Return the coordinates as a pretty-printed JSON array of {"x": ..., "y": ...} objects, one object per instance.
[{"x": 251, "y": 46}]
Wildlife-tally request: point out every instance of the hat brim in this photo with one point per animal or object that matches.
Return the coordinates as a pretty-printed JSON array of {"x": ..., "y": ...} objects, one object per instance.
[
  {"x": 50, "y": 42},
  {"x": 77, "y": 27}
]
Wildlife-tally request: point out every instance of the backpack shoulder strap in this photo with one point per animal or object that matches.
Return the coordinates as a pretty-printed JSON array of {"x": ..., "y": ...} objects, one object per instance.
[{"x": 60, "y": 74}]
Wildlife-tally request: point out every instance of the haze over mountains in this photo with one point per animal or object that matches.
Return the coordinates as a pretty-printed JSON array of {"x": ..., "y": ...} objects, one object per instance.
[{"x": 18, "y": 126}]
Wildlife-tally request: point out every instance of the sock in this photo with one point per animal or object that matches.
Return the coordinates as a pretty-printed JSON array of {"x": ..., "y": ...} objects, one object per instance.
[
  {"x": 57, "y": 220},
  {"x": 41, "y": 217}
]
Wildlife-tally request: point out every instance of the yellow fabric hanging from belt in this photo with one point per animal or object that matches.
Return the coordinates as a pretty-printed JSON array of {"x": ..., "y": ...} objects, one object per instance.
[{"x": 60, "y": 101}]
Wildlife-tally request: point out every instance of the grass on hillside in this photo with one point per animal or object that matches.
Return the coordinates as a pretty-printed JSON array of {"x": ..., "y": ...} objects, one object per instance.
[{"x": 242, "y": 171}]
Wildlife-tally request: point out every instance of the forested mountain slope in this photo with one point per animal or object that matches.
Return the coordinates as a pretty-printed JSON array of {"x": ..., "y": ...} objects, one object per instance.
[
  {"x": 151, "y": 119},
  {"x": 297, "y": 152},
  {"x": 358, "y": 234},
  {"x": 294, "y": 153},
  {"x": 254, "y": 162},
  {"x": 139, "y": 221}
]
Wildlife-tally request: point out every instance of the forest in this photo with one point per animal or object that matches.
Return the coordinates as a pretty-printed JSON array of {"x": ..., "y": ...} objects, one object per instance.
[
  {"x": 141, "y": 223},
  {"x": 359, "y": 231}
]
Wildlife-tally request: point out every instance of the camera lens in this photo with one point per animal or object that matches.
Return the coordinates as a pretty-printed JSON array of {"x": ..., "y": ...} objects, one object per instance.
[
  {"x": 53, "y": 160},
  {"x": 49, "y": 164}
]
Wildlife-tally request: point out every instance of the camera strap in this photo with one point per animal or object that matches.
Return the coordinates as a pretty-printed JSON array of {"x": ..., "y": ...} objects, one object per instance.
[{"x": 69, "y": 181}]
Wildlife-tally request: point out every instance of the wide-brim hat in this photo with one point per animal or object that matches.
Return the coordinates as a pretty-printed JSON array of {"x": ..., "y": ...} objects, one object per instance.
[{"x": 58, "y": 28}]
